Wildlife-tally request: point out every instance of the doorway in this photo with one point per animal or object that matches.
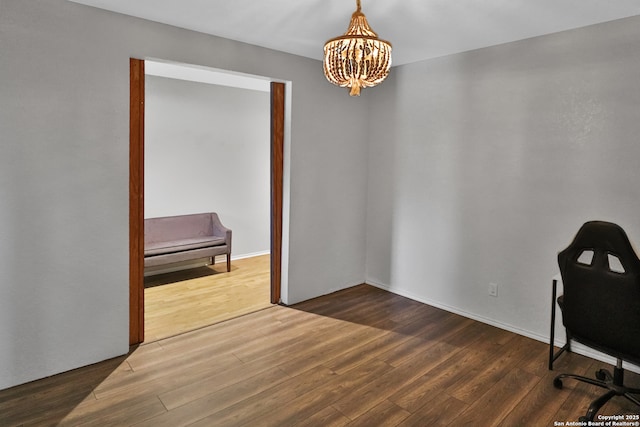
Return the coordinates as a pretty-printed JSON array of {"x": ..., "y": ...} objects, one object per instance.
[{"x": 136, "y": 190}]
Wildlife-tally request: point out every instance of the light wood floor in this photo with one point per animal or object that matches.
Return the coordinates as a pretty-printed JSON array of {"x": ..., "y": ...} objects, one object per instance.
[
  {"x": 191, "y": 299},
  {"x": 360, "y": 357}
]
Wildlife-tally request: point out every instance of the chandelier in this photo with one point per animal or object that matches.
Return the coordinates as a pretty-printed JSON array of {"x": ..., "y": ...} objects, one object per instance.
[{"x": 358, "y": 58}]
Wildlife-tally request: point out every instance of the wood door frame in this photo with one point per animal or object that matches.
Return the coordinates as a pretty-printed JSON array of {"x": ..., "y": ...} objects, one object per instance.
[
  {"x": 136, "y": 201},
  {"x": 136, "y": 195},
  {"x": 277, "y": 170}
]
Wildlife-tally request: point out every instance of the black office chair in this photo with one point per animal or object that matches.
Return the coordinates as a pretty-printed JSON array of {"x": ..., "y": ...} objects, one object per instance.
[{"x": 600, "y": 306}]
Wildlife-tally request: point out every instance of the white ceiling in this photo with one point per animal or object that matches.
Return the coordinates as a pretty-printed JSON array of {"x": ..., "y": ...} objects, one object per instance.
[{"x": 418, "y": 29}]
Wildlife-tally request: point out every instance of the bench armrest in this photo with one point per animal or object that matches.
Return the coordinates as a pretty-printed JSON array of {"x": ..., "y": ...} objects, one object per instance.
[{"x": 220, "y": 230}]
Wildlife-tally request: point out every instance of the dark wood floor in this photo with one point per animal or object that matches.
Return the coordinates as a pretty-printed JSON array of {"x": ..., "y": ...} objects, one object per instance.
[{"x": 360, "y": 357}]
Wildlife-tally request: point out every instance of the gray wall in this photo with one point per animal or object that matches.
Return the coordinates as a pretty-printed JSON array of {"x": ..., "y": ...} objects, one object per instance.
[
  {"x": 475, "y": 168},
  {"x": 207, "y": 149},
  {"x": 64, "y": 124},
  {"x": 483, "y": 165}
]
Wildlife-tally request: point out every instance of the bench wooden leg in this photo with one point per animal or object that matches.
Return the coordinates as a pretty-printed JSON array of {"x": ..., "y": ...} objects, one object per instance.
[
  {"x": 213, "y": 260},
  {"x": 228, "y": 262}
]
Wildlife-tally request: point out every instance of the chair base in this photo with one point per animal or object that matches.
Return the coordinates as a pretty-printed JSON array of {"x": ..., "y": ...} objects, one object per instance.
[{"x": 604, "y": 379}]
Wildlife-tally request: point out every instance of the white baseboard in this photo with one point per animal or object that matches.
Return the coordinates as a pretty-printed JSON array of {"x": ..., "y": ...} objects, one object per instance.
[
  {"x": 345, "y": 286},
  {"x": 575, "y": 347},
  {"x": 250, "y": 255}
]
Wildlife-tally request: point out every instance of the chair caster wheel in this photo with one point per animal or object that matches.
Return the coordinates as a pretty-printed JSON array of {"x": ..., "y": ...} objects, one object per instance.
[
  {"x": 557, "y": 383},
  {"x": 601, "y": 374}
]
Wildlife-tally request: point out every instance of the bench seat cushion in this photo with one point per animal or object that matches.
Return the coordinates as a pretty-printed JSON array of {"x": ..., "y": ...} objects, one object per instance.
[{"x": 159, "y": 248}]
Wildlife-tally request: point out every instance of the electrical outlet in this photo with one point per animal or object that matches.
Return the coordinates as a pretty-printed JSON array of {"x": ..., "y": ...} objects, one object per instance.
[{"x": 493, "y": 289}]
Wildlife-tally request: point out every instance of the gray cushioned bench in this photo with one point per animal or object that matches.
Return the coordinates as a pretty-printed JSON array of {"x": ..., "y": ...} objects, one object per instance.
[{"x": 185, "y": 237}]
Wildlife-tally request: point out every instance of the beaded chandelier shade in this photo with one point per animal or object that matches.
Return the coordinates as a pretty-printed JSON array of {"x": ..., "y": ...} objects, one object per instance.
[{"x": 358, "y": 58}]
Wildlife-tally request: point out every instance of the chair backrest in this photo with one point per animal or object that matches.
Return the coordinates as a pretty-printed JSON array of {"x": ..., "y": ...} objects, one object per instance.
[{"x": 601, "y": 279}]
